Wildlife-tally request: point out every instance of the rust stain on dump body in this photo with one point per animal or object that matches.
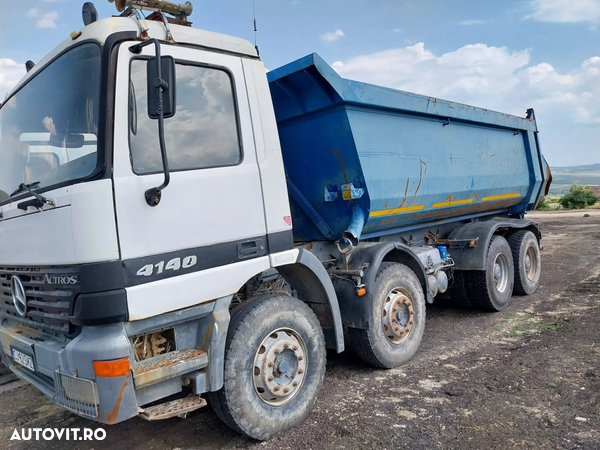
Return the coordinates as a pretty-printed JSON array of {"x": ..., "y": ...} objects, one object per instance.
[
  {"x": 421, "y": 164},
  {"x": 405, "y": 193}
]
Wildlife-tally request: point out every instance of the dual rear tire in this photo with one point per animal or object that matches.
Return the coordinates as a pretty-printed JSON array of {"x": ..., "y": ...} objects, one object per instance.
[{"x": 512, "y": 265}]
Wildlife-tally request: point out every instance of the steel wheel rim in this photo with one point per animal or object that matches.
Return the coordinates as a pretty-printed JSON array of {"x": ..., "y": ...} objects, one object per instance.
[
  {"x": 279, "y": 368},
  {"x": 501, "y": 272},
  {"x": 398, "y": 315},
  {"x": 531, "y": 263}
]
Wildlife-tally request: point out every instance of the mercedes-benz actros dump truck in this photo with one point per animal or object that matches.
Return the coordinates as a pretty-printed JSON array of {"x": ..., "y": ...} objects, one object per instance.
[{"x": 175, "y": 221}]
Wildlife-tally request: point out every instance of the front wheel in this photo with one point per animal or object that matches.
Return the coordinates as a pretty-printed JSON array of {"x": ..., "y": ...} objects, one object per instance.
[
  {"x": 274, "y": 367},
  {"x": 398, "y": 319}
]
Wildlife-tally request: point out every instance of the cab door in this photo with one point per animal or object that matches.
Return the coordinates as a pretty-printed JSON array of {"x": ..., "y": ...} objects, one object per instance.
[{"x": 207, "y": 235}]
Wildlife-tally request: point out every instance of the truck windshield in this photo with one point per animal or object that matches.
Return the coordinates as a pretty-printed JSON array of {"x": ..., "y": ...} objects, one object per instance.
[{"x": 48, "y": 129}]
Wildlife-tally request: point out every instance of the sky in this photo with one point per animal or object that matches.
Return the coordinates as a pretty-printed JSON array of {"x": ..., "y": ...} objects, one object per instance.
[{"x": 505, "y": 55}]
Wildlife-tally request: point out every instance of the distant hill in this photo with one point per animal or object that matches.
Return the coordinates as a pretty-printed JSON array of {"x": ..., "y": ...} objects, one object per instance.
[
  {"x": 564, "y": 177},
  {"x": 590, "y": 168}
]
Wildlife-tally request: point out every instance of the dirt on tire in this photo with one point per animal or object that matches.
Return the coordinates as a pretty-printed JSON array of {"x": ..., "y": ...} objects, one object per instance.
[{"x": 526, "y": 377}]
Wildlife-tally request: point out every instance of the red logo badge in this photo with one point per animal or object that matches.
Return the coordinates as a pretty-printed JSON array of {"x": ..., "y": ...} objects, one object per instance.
[{"x": 288, "y": 220}]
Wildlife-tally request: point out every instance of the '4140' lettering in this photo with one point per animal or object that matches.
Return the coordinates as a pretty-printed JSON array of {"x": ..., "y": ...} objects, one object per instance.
[{"x": 174, "y": 264}]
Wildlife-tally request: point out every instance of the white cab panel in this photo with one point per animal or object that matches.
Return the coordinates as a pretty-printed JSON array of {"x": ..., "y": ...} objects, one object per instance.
[
  {"x": 152, "y": 299},
  {"x": 283, "y": 258},
  {"x": 41, "y": 238},
  {"x": 270, "y": 160},
  {"x": 81, "y": 229},
  {"x": 93, "y": 222}
]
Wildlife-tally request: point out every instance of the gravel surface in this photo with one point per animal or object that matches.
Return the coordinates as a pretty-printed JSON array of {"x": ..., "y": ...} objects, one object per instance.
[{"x": 528, "y": 377}]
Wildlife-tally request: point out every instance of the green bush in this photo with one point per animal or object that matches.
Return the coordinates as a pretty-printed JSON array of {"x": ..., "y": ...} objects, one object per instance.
[
  {"x": 578, "y": 197},
  {"x": 543, "y": 205}
]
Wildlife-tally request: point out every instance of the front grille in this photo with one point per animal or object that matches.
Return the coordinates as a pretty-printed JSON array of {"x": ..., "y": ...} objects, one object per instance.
[{"x": 50, "y": 293}]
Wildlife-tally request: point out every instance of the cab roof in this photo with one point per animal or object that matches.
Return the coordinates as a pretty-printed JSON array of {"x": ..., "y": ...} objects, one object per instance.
[{"x": 100, "y": 31}]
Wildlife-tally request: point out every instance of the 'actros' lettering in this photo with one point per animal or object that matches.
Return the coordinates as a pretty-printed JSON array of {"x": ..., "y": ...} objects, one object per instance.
[{"x": 60, "y": 280}]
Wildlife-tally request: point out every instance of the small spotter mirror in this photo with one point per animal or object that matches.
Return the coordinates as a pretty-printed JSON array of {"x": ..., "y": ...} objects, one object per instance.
[{"x": 89, "y": 13}]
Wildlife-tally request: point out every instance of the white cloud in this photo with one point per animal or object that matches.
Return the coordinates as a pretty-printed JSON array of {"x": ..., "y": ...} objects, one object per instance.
[
  {"x": 48, "y": 20},
  {"x": 397, "y": 30},
  {"x": 491, "y": 77},
  {"x": 472, "y": 22},
  {"x": 34, "y": 13},
  {"x": 564, "y": 10},
  {"x": 10, "y": 74},
  {"x": 332, "y": 36}
]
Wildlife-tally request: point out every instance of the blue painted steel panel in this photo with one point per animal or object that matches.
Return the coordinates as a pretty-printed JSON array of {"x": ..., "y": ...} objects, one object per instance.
[{"x": 404, "y": 159}]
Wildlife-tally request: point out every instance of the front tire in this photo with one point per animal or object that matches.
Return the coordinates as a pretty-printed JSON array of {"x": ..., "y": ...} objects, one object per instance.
[
  {"x": 398, "y": 319},
  {"x": 492, "y": 288},
  {"x": 274, "y": 367},
  {"x": 527, "y": 261}
]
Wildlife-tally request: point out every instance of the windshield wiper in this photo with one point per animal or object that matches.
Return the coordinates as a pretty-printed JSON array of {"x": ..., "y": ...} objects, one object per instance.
[
  {"x": 25, "y": 187},
  {"x": 39, "y": 200}
]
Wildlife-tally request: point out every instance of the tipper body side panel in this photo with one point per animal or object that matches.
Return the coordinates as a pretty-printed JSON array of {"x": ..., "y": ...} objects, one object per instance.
[{"x": 403, "y": 159}]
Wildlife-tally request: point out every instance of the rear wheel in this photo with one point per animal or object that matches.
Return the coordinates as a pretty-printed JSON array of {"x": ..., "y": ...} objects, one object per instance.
[
  {"x": 398, "y": 319},
  {"x": 527, "y": 261},
  {"x": 274, "y": 367},
  {"x": 492, "y": 288},
  {"x": 457, "y": 292}
]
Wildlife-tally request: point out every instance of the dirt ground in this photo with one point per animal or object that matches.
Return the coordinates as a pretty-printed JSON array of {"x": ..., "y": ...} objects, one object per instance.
[{"x": 528, "y": 377}]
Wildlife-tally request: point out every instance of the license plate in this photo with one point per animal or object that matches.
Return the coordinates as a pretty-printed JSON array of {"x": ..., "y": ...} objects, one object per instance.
[{"x": 23, "y": 359}]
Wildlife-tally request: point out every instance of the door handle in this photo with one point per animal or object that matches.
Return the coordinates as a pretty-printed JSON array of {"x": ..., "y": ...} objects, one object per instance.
[{"x": 253, "y": 247}]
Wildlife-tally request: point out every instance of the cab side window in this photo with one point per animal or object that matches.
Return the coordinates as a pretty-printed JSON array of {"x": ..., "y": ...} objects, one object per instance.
[{"x": 204, "y": 131}]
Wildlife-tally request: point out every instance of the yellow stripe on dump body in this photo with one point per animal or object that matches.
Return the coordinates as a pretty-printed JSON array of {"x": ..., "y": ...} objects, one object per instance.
[
  {"x": 500, "y": 197},
  {"x": 389, "y": 212},
  {"x": 452, "y": 203}
]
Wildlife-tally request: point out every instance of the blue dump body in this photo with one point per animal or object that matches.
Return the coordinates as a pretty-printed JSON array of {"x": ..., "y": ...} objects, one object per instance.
[{"x": 367, "y": 161}]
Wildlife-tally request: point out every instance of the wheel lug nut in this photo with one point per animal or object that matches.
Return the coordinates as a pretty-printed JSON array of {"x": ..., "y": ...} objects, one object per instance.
[
  {"x": 300, "y": 370},
  {"x": 277, "y": 351},
  {"x": 411, "y": 322},
  {"x": 295, "y": 384},
  {"x": 286, "y": 345},
  {"x": 270, "y": 378},
  {"x": 295, "y": 347},
  {"x": 286, "y": 390},
  {"x": 271, "y": 364},
  {"x": 276, "y": 388},
  {"x": 300, "y": 358}
]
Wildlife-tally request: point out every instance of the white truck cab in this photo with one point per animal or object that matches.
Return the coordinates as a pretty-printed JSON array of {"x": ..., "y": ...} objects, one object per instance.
[{"x": 108, "y": 303}]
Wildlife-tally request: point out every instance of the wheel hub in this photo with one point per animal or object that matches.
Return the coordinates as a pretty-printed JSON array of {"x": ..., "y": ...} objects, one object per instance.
[
  {"x": 531, "y": 263},
  {"x": 398, "y": 315},
  {"x": 280, "y": 367},
  {"x": 501, "y": 272}
]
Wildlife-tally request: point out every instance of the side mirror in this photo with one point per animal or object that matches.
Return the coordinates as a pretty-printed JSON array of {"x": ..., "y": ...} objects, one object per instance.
[{"x": 164, "y": 79}]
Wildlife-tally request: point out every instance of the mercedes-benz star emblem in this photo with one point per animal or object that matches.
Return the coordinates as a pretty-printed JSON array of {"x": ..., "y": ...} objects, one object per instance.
[{"x": 18, "y": 295}]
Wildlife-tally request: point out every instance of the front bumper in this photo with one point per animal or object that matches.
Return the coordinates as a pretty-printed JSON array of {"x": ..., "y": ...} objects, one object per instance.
[{"x": 75, "y": 386}]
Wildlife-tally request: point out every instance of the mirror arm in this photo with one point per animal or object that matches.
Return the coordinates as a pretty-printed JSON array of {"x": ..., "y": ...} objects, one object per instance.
[{"x": 153, "y": 195}]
